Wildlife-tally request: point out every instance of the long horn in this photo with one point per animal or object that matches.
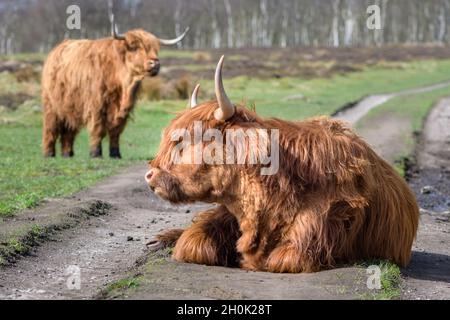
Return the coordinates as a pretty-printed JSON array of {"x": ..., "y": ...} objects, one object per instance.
[
  {"x": 226, "y": 108},
  {"x": 194, "y": 96},
  {"x": 170, "y": 42},
  {"x": 114, "y": 33}
]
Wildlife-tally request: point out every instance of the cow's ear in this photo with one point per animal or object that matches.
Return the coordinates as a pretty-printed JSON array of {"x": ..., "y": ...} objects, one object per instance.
[
  {"x": 131, "y": 42},
  {"x": 132, "y": 46}
]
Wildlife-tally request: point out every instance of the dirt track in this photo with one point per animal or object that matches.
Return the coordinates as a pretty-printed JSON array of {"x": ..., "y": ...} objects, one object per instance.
[
  {"x": 428, "y": 275},
  {"x": 103, "y": 257},
  {"x": 431, "y": 262},
  {"x": 105, "y": 246},
  {"x": 357, "y": 111},
  {"x": 100, "y": 245}
]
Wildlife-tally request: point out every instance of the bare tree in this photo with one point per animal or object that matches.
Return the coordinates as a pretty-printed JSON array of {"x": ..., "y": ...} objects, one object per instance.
[{"x": 37, "y": 25}]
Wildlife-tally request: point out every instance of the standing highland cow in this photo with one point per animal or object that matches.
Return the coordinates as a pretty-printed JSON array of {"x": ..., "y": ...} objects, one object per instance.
[
  {"x": 94, "y": 83},
  {"x": 333, "y": 199}
]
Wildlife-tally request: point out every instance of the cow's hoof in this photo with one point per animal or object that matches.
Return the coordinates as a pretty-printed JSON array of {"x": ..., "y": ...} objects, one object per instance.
[
  {"x": 155, "y": 245},
  {"x": 67, "y": 154},
  {"x": 114, "y": 153},
  {"x": 50, "y": 154},
  {"x": 96, "y": 153}
]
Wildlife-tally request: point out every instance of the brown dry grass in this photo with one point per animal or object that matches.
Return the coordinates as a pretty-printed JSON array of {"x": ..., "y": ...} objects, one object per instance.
[
  {"x": 159, "y": 88},
  {"x": 202, "y": 56},
  {"x": 28, "y": 74}
]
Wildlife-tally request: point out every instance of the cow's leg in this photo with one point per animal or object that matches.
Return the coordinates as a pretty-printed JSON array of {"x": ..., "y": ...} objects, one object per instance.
[
  {"x": 292, "y": 257},
  {"x": 50, "y": 134},
  {"x": 303, "y": 247},
  {"x": 287, "y": 257},
  {"x": 251, "y": 243},
  {"x": 67, "y": 140},
  {"x": 165, "y": 239},
  {"x": 97, "y": 132},
  {"x": 121, "y": 116},
  {"x": 211, "y": 239},
  {"x": 114, "y": 136}
]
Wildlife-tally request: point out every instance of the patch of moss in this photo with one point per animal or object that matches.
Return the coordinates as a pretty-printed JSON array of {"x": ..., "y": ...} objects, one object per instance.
[{"x": 119, "y": 287}]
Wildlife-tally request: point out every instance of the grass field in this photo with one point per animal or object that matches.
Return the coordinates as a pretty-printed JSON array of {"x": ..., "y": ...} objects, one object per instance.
[{"x": 26, "y": 178}]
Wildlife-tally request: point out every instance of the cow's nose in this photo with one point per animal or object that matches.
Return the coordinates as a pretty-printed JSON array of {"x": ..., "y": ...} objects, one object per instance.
[
  {"x": 148, "y": 175},
  {"x": 154, "y": 63}
]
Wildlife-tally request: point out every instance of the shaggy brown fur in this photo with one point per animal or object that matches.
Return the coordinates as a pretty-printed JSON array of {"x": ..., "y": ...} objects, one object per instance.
[
  {"x": 333, "y": 200},
  {"x": 94, "y": 83}
]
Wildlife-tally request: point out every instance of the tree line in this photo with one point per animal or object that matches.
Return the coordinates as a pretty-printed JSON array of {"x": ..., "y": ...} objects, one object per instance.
[{"x": 37, "y": 25}]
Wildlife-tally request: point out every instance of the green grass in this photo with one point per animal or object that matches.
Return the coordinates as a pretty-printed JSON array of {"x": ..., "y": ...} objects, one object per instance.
[
  {"x": 123, "y": 284},
  {"x": 390, "y": 281},
  {"x": 325, "y": 95},
  {"x": 26, "y": 178},
  {"x": 16, "y": 245}
]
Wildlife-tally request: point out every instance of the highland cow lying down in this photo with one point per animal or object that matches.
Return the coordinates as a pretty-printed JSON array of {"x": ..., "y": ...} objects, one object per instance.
[{"x": 333, "y": 199}]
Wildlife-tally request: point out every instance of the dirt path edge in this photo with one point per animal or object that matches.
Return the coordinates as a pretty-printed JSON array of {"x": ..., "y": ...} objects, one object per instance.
[{"x": 20, "y": 234}]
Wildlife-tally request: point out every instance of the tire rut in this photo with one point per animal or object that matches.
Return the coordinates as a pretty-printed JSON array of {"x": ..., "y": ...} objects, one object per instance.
[{"x": 428, "y": 275}]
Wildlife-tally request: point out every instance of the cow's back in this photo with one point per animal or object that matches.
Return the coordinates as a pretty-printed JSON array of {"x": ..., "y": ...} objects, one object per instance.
[
  {"x": 73, "y": 80},
  {"x": 360, "y": 184}
]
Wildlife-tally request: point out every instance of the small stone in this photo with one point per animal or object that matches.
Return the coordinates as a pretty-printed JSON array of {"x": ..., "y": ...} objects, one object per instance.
[
  {"x": 111, "y": 234},
  {"x": 188, "y": 211},
  {"x": 129, "y": 238},
  {"x": 426, "y": 190}
]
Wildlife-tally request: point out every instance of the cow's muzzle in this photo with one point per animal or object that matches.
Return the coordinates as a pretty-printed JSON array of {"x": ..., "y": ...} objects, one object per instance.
[
  {"x": 165, "y": 185},
  {"x": 153, "y": 67},
  {"x": 148, "y": 176}
]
